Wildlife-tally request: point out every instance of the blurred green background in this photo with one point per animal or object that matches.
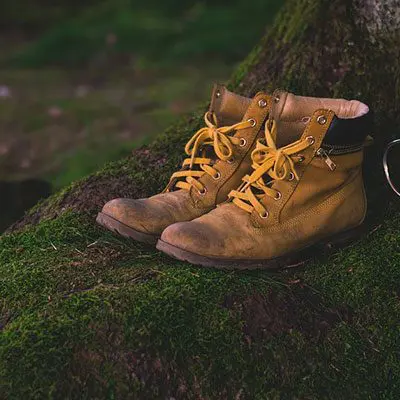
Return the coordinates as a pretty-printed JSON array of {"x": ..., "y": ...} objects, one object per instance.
[{"x": 83, "y": 83}]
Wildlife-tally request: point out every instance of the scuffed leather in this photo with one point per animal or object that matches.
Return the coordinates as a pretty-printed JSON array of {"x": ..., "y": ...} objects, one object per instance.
[
  {"x": 152, "y": 215},
  {"x": 322, "y": 203}
]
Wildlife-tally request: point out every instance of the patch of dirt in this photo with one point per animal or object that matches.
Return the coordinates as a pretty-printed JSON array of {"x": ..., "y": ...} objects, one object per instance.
[
  {"x": 90, "y": 195},
  {"x": 299, "y": 309},
  {"x": 134, "y": 373},
  {"x": 137, "y": 373},
  {"x": 5, "y": 318}
]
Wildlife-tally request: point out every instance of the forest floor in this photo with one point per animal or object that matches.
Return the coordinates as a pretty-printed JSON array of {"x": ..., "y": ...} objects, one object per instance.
[{"x": 60, "y": 124}]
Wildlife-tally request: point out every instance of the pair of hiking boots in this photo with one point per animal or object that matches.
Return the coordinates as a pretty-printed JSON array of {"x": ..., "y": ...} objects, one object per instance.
[{"x": 266, "y": 180}]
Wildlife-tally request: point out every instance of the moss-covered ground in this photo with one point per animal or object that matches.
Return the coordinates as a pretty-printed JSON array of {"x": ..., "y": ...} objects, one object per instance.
[{"x": 85, "y": 314}]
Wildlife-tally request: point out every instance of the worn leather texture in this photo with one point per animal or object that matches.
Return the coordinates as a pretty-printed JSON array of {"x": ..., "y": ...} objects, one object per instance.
[
  {"x": 152, "y": 215},
  {"x": 320, "y": 204},
  {"x": 230, "y": 107}
]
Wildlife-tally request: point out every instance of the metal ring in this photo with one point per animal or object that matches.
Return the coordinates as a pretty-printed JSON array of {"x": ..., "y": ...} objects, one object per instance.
[
  {"x": 310, "y": 139},
  {"x": 278, "y": 196},
  {"x": 230, "y": 160},
  {"x": 262, "y": 103},
  {"x": 202, "y": 192},
  {"x": 386, "y": 167},
  {"x": 264, "y": 215},
  {"x": 243, "y": 142},
  {"x": 253, "y": 122},
  {"x": 291, "y": 176},
  {"x": 217, "y": 176}
]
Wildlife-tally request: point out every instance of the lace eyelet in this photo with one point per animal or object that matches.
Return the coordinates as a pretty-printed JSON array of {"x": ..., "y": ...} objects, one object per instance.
[
  {"x": 278, "y": 196},
  {"x": 321, "y": 120},
  {"x": 231, "y": 160},
  {"x": 253, "y": 122},
  {"x": 243, "y": 142},
  {"x": 202, "y": 192},
  {"x": 262, "y": 103},
  {"x": 291, "y": 176},
  {"x": 301, "y": 158},
  {"x": 217, "y": 176},
  {"x": 310, "y": 139},
  {"x": 264, "y": 215}
]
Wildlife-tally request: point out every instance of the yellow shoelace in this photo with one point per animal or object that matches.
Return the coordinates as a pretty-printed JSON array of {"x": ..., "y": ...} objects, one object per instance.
[
  {"x": 210, "y": 135},
  {"x": 278, "y": 164}
]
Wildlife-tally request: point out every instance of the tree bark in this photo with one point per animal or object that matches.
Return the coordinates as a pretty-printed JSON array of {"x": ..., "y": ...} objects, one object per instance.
[{"x": 347, "y": 48}]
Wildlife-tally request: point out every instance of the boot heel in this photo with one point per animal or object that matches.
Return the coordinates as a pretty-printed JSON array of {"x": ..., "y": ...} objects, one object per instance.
[{"x": 344, "y": 239}]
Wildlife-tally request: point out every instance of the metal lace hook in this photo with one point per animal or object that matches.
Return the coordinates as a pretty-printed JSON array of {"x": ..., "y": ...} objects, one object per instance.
[{"x": 386, "y": 167}]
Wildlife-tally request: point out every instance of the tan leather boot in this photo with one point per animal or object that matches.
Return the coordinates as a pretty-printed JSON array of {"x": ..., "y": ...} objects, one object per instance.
[
  {"x": 307, "y": 192},
  {"x": 219, "y": 155}
]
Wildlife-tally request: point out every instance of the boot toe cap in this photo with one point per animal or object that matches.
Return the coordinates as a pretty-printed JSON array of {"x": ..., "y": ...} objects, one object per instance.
[
  {"x": 132, "y": 213},
  {"x": 113, "y": 208},
  {"x": 189, "y": 236}
]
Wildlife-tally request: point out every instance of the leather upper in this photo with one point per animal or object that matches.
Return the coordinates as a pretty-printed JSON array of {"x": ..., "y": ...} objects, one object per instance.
[
  {"x": 152, "y": 215},
  {"x": 321, "y": 203}
]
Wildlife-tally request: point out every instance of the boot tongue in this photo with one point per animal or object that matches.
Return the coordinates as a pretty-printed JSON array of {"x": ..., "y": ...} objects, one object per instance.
[{"x": 229, "y": 107}]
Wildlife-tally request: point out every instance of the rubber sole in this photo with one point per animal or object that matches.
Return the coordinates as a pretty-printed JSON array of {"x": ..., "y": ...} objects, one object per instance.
[
  {"x": 116, "y": 226},
  {"x": 294, "y": 259}
]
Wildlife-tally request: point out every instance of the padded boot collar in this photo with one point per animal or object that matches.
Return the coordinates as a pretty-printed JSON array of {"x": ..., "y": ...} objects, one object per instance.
[
  {"x": 351, "y": 124},
  {"x": 349, "y": 131}
]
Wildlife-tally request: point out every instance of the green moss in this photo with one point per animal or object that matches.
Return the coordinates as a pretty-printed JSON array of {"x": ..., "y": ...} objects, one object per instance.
[{"x": 92, "y": 307}]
